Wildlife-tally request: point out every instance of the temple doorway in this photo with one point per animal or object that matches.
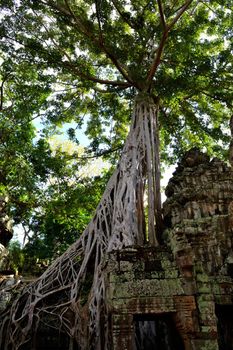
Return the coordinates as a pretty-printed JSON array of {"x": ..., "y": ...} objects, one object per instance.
[{"x": 156, "y": 332}]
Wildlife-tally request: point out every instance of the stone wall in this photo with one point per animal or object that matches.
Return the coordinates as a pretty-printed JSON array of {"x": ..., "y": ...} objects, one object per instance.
[{"x": 189, "y": 278}]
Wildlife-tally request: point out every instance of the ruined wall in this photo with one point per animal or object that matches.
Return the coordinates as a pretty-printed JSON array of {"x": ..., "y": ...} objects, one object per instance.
[
  {"x": 189, "y": 278},
  {"x": 199, "y": 214},
  {"x": 145, "y": 282}
]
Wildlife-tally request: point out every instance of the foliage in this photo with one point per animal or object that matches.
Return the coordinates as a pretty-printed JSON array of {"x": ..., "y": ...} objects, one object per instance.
[
  {"x": 64, "y": 61},
  {"x": 79, "y": 56},
  {"x": 15, "y": 257},
  {"x": 62, "y": 219},
  {"x": 59, "y": 44},
  {"x": 28, "y": 162},
  {"x": 43, "y": 187}
]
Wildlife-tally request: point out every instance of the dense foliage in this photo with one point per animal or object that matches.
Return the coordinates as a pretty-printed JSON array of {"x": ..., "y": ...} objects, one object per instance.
[
  {"x": 84, "y": 61},
  {"x": 92, "y": 56},
  {"x": 45, "y": 191}
]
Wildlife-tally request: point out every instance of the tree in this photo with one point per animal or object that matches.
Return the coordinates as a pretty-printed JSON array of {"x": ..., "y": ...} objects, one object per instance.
[
  {"x": 170, "y": 57},
  {"x": 27, "y": 163},
  {"x": 15, "y": 258},
  {"x": 18, "y": 182},
  {"x": 69, "y": 203}
]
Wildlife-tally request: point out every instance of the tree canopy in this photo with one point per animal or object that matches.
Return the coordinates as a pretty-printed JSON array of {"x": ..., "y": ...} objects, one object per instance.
[
  {"x": 36, "y": 177},
  {"x": 91, "y": 57}
]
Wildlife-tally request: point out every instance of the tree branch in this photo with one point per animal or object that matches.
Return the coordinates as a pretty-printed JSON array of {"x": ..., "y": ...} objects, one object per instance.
[
  {"x": 161, "y": 12},
  {"x": 97, "y": 8},
  {"x": 214, "y": 97},
  {"x": 81, "y": 74},
  {"x": 101, "y": 153},
  {"x": 107, "y": 91},
  {"x": 99, "y": 43},
  {"x": 209, "y": 7},
  {"x": 157, "y": 58},
  {"x": 179, "y": 14},
  {"x": 69, "y": 64},
  {"x": 125, "y": 18},
  {"x": 167, "y": 28}
]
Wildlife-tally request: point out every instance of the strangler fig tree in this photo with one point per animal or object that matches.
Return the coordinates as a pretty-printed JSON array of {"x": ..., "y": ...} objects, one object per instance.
[{"x": 172, "y": 59}]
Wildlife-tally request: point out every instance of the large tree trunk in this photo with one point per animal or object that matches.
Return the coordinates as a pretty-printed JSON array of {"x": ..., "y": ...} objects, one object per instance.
[{"x": 70, "y": 295}]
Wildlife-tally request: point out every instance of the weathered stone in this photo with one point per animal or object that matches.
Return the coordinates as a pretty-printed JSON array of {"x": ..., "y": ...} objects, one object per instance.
[
  {"x": 192, "y": 272},
  {"x": 9, "y": 286}
]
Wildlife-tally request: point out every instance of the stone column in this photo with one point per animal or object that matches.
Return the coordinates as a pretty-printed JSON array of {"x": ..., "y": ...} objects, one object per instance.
[{"x": 122, "y": 332}]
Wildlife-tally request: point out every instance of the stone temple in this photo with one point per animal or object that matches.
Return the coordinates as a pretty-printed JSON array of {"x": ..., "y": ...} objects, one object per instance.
[{"x": 180, "y": 295}]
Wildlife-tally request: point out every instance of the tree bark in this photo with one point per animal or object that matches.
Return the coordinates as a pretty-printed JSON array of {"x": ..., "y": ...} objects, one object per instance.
[{"x": 70, "y": 295}]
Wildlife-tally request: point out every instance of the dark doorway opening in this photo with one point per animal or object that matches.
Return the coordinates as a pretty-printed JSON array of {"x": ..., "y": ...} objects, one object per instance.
[
  {"x": 156, "y": 332},
  {"x": 224, "y": 315}
]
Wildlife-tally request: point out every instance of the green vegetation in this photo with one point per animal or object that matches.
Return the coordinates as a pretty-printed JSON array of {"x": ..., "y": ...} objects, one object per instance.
[
  {"x": 84, "y": 62},
  {"x": 15, "y": 258}
]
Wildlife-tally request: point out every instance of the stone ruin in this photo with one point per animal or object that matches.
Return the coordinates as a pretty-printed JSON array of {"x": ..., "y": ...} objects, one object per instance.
[{"x": 180, "y": 295}]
